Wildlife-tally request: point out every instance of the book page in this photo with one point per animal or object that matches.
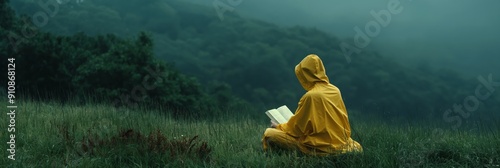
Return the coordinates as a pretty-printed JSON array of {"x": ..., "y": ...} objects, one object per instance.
[
  {"x": 276, "y": 115},
  {"x": 271, "y": 117},
  {"x": 285, "y": 112}
]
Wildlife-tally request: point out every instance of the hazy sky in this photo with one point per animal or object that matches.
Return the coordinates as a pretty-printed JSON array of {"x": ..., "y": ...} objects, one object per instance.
[{"x": 459, "y": 34}]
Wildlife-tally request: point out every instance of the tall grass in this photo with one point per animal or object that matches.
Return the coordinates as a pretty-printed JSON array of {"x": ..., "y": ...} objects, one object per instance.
[{"x": 55, "y": 135}]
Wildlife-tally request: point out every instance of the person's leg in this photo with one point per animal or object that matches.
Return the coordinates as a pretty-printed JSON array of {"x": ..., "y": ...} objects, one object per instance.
[{"x": 274, "y": 138}]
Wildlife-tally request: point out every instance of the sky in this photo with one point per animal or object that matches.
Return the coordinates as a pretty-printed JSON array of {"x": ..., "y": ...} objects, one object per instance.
[{"x": 456, "y": 34}]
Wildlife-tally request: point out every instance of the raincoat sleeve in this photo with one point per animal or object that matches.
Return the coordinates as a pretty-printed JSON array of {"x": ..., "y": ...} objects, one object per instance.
[{"x": 301, "y": 123}]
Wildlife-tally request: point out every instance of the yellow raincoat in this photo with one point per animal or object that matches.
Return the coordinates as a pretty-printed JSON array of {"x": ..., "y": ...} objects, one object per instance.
[{"x": 320, "y": 125}]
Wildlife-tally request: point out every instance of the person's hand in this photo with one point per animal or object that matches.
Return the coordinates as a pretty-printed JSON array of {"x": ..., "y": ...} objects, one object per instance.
[{"x": 273, "y": 124}]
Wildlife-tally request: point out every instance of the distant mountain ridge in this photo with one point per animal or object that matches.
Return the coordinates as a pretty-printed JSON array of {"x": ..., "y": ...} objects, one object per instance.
[{"x": 256, "y": 58}]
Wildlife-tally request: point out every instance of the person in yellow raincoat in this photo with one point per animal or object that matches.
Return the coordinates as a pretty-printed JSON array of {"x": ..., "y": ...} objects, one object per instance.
[{"x": 320, "y": 125}]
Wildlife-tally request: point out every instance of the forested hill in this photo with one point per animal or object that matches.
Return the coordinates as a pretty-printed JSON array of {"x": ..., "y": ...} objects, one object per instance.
[{"x": 254, "y": 60}]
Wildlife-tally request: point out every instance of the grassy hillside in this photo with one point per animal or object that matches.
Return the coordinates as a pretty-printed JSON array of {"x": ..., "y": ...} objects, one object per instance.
[
  {"x": 254, "y": 60},
  {"x": 236, "y": 58},
  {"x": 93, "y": 135}
]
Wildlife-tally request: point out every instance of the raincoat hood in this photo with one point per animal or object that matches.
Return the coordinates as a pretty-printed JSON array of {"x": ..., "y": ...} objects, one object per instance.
[
  {"x": 320, "y": 124},
  {"x": 310, "y": 71}
]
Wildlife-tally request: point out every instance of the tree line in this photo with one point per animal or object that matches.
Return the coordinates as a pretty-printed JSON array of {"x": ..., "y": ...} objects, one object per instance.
[{"x": 233, "y": 62}]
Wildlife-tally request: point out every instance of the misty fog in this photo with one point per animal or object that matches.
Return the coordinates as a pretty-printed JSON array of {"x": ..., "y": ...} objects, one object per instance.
[
  {"x": 405, "y": 69},
  {"x": 191, "y": 83},
  {"x": 461, "y": 35}
]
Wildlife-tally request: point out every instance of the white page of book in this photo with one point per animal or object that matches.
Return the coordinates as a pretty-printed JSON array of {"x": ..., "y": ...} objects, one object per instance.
[
  {"x": 277, "y": 116},
  {"x": 285, "y": 112},
  {"x": 271, "y": 117}
]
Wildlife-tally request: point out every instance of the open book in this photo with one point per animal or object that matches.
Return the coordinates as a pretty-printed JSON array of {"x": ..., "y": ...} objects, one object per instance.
[{"x": 280, "y": 115}]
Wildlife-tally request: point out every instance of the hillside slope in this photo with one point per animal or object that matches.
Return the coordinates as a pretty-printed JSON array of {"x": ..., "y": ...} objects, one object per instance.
[{"x": 255, "y": 59}]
